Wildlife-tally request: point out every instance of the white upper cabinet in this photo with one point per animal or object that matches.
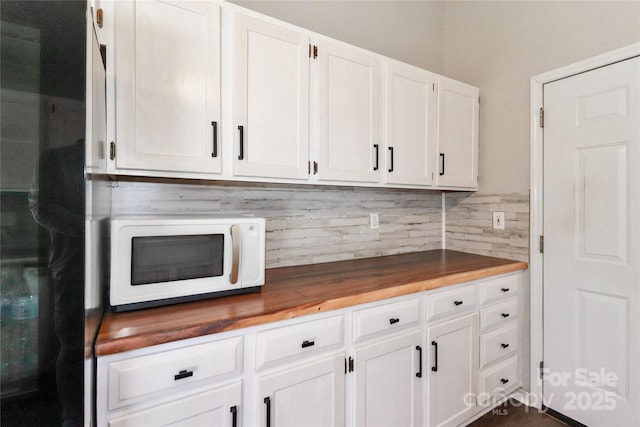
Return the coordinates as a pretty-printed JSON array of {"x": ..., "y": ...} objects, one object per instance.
[
  {"x": 271, "y": 97},
  {"x": 167, "y": 86},
  {"x": 209, "y": 90},
  {"x": 349, "y": 134},
  {"x": 410, "y": 125},
  {"x": 457, "y": 135}
]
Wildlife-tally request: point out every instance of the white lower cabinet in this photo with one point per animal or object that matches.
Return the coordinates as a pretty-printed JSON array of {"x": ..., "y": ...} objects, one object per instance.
[
  {"x": 309, "y": 394},
  {"x": 500, "y": 336},
  {"x": 497, "y": 382},
  {"x": 473, "y": 339},
  {"x": 452, "y": 370},
  {"x": 365, "y": 365},
  {"x": 388, "y": 381},
  {"x": 217, "y": 407},
  {"x": 192, "y": 383}
]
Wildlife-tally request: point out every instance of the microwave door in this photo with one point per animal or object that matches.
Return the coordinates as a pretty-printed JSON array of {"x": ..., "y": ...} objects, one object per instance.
[{"x": 160, "y": 259}]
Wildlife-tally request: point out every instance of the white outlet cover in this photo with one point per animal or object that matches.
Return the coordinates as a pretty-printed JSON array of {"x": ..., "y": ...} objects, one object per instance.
[
  {"x": 373, "y": 220},
  {"x": 498, "y": 220}
]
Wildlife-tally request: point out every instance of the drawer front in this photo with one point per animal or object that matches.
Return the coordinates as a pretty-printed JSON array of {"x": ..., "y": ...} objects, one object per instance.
[
  {"x": 499, "y": 288},
  {"x": 498, "y": 382},
  {"x": 301, "y": 340},
  {"x": 208, "y": 408},
  {"x": 498, "y": 344},
  {"x": 452, "y": 302},
  {"x": 145, "y": 377},
  {"x": 385, "y": 318},
  {"x": 498, "y": 314}
]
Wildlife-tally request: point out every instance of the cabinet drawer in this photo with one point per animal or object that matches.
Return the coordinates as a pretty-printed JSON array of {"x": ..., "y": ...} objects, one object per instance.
[
  {"x": 303, "y": 339},
  {"x": 499, "y": 381},
  {"x": 498, "y": 344},
  {"x": 145, "y": 377},
  {"x": 210, "y": 408},
  {"x": 388, "y": 317},
  {"x": 501, "y": 287},
  {"x": 497, "y": 314},
  {"x": 452, "y": 302}
]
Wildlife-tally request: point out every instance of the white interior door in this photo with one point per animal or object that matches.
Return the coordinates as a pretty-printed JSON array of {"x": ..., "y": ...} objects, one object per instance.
[{"x": 591, "y": 253}]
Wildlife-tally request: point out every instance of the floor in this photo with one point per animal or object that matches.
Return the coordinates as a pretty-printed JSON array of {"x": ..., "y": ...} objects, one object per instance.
[
  {"x": 39, "y": 409},
  {"x": 512, "y": 414}
]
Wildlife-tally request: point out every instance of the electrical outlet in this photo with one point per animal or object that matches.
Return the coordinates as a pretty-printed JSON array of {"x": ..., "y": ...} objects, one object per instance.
[
  {"x": 373, "y": 220},
  {"x": 498, "y": 220}
]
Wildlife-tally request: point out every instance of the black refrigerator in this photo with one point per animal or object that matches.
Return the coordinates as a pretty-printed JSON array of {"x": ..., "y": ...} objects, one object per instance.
[{"x": 42, "y": 199}]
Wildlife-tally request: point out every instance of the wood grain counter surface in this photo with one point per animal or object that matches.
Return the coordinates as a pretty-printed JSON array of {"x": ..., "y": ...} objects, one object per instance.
[{"x": 296, "y": 291}]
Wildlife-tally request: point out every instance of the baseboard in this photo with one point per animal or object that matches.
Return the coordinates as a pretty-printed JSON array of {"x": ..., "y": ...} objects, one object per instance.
[{"x": 557, "y": 415}]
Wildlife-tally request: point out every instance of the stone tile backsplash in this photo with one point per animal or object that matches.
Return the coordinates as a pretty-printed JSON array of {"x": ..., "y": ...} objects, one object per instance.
[
  {"x": 314, "y": 224},
  {"x": 305, "y": 224},
  {"x": 469, "y": 225}
]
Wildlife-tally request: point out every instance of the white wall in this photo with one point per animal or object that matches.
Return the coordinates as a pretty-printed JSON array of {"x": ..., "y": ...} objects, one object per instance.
[
  {"x": 500, "y": 45},
  {"x": 409, "y": 31}
]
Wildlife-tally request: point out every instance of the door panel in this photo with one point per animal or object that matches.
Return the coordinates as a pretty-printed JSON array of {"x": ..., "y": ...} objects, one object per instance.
[
  {"x": 457, "y": 134},
  {"x": 349, "y": 87},
  {"x": 592, "y": 257},
  {"x": 602, "y": 203},
  {"x": 271, "y": 75},
  {"x": 310, "y": 394},
  {"x": 388, "y": 391},
  {"x": 167, "y": 59},
  {"x": 410, "y": 125},
  {"x": 453, "y": 373}
]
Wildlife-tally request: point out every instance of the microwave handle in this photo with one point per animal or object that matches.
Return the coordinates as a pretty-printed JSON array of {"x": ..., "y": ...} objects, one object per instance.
[{"x": 235, "y": 253}]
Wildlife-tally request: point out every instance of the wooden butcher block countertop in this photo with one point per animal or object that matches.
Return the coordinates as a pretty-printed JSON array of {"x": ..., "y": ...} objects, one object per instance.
[{"x": 296, "y": 291}]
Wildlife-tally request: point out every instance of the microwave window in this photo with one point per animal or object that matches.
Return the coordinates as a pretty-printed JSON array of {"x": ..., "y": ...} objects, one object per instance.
[{"x": 170, "y": 258}]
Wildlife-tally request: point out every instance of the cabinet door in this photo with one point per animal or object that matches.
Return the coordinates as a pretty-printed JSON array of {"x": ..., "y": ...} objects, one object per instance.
[
  {"x": 312, "y": 394},
  {"x": 410, "y": 125},
  {"x": 96, "y": 106},
  {"x": 458, "y": 114},
  {"x": 452, "y": 370},
  {"x": 217, "y": 407},
  {"x": 167, "y": 77},
  {"x": 271, "y": 74},
  {"x": 388, "y": 378},
  {"x": 349, "y": 131}
]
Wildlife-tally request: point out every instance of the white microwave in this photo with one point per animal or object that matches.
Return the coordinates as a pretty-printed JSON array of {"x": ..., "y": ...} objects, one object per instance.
[{"x": 164, "y": 260}]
